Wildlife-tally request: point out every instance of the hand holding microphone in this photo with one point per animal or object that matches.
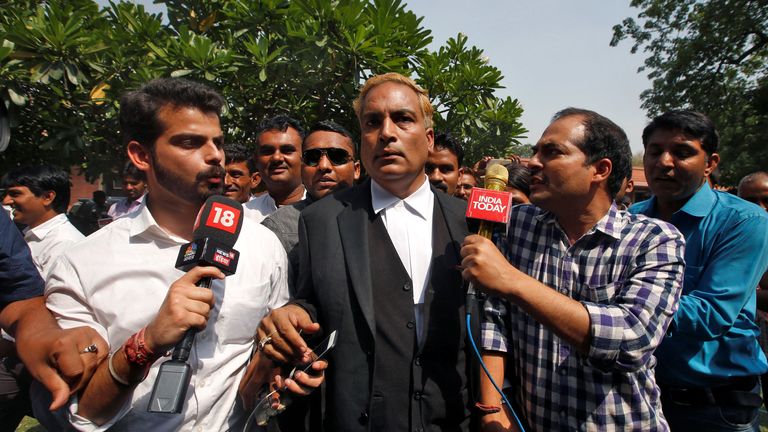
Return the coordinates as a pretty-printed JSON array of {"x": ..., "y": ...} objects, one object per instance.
[
  {"x": 481, "y": 260},
  {"x": 186, "y": 306},
  {"x": 189, "y": 300}
]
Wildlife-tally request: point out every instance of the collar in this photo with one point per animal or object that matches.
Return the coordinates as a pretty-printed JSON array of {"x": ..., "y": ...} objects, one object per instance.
[
  {"x": 609, "y": 224},
  {"x": 138, "y": 200},
  {"x": 272, "y": 203},
  {"x": 701, "y": 203},
  {"x": 144, "y": 225},
  {"x": 39, "y": 232},
  {"x": 698, "y": 205},
  {"x": 419, "y": 201}
]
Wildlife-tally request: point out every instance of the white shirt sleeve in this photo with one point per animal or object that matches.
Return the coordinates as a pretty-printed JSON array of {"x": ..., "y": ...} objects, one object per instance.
[
  {"x": 66, "y": 299},
  {"x": 279, "y": 277}
]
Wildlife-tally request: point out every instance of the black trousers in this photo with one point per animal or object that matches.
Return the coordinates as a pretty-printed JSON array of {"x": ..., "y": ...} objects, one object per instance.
[{"x": 14, "y": 393}]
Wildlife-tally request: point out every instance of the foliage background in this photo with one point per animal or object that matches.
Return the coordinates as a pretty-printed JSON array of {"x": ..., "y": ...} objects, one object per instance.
[
  {"x": 64, "y": 63},
  {"x": 710, "y": 56}
]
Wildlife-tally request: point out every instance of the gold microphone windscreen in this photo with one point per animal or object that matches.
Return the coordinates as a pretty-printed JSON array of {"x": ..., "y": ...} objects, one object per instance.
[{"x": 496, "y": 177}]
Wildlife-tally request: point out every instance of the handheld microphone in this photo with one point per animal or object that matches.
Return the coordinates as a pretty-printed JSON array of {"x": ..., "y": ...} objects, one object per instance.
[
  {"x": 215, "y": 233},
  {"x": 491, "y": 205}
]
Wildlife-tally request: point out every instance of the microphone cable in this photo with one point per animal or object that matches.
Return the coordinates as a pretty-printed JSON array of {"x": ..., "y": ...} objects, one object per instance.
[{"x": 488, "y": 373}]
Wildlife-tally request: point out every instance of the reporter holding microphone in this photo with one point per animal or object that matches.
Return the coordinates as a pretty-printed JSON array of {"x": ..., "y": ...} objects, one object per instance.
[
  {"x": 124, "y": 283},
  {"x": 581, "y": 293}
]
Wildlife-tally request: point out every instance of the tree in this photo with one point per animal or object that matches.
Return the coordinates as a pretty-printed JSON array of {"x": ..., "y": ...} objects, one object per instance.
[
  {"x": 462, "y": 85},
  {"x": 64, "y": 63},
  {"x": 710, "y": 56}
]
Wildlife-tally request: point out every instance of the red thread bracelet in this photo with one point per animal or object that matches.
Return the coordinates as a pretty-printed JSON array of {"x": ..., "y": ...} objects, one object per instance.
[{"x": 137, "y": 352}]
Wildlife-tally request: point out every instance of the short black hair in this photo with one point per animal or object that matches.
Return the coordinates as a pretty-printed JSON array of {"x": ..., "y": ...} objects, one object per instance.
[
  {"x": 753, "y": 177},
  {"x": 40, "y": 179},
  {"x": 130, "y": 170},
  {"x": 693, "y": 124},
  {"x": 279, "y": 123},
  {"x": 332, "y": 126},
  {"x": 139, "y": 108},
  {"x": 603, "y": 139},
  {"x": 447, "y": 141},
  {"x": 519, "y": 177},
  {"x": 234, "y": 153}
]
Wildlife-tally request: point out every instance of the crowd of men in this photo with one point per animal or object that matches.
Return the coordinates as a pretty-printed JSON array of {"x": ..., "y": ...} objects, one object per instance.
[{"x": 588, "y": 316}]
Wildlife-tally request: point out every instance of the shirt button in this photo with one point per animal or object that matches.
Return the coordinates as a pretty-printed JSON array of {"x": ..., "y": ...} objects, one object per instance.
[
  {"x": 417, "y": 395},
  {"x": 419, "y": 429},
  {"x": 407, "y": 286},
  {"x": 562, "y": 371},
  {"x": 411, "y": 324},
  {"x": 563, "y": 412},
  {"x": 363, "y": 419},
  {"x": 418, "y": 361}
]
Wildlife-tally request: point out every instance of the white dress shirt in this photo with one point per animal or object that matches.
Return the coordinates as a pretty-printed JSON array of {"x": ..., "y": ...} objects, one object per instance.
[
  {"x": 49, "y": 240},
  {"x": 262, "y": 206},
  {"x": 409, "y": 224},
  {"x": 125, "y": 207},
  {"x": 115, "y": 281}
]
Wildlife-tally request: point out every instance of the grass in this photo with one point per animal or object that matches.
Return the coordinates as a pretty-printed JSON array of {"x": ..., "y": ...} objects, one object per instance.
[{"x": 28, "y": 424}]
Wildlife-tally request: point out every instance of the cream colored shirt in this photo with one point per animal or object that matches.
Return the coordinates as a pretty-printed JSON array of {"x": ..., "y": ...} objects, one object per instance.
[{"x": 115, "y": 281}]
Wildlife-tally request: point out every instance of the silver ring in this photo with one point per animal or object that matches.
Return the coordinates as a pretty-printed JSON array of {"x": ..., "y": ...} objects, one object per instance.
[
  {"x": 90, "y": 349},
  {"x": 264, "y": 342}
]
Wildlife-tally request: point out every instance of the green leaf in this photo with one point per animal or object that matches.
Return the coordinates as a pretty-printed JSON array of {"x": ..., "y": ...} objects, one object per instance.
[
  {"x": 72, "y": 73},
  {"x": 16, "y": 98},
  {"x": 6, "y": 49},
  {"x": 56, "y": 71},
  {"x": 181, "y": 72}
]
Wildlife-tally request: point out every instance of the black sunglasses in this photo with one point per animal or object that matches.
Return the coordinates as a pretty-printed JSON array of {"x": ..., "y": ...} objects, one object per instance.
[{"x": 337, "y": 156}]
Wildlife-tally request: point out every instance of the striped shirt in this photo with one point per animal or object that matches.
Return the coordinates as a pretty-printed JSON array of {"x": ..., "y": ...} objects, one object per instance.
[{"x": 627, "y": 272}]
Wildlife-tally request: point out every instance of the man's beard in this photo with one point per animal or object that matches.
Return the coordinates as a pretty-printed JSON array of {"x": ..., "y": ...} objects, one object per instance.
[{"x": 196, "y": 192}]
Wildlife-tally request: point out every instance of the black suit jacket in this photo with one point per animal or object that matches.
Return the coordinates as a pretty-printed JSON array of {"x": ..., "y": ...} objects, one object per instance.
[{"x": 334, "y": 286}]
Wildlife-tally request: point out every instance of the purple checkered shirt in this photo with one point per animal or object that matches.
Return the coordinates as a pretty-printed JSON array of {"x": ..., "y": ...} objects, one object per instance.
[{"x": 627, "y": 271}]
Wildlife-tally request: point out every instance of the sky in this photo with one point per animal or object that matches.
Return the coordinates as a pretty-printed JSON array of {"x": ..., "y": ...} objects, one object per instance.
[{"x": 553, "y": 54}]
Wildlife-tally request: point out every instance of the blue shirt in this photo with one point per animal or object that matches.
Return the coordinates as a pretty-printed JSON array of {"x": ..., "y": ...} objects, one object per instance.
[
  {"x": 627, "y": 271},
  {"x": 713, "y": 335},
  {"x": 19, "y": 278}
]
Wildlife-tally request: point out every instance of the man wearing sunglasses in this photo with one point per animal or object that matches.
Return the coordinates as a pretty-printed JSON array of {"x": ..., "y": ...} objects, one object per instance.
[
  {"x": 278, "y": 160},
  {"x": 328, "y": 165},
  {"x": 379, "y": 265}
]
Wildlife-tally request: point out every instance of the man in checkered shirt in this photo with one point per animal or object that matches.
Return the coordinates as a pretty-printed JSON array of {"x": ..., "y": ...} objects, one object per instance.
[{"x": 583, "y": 293}]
